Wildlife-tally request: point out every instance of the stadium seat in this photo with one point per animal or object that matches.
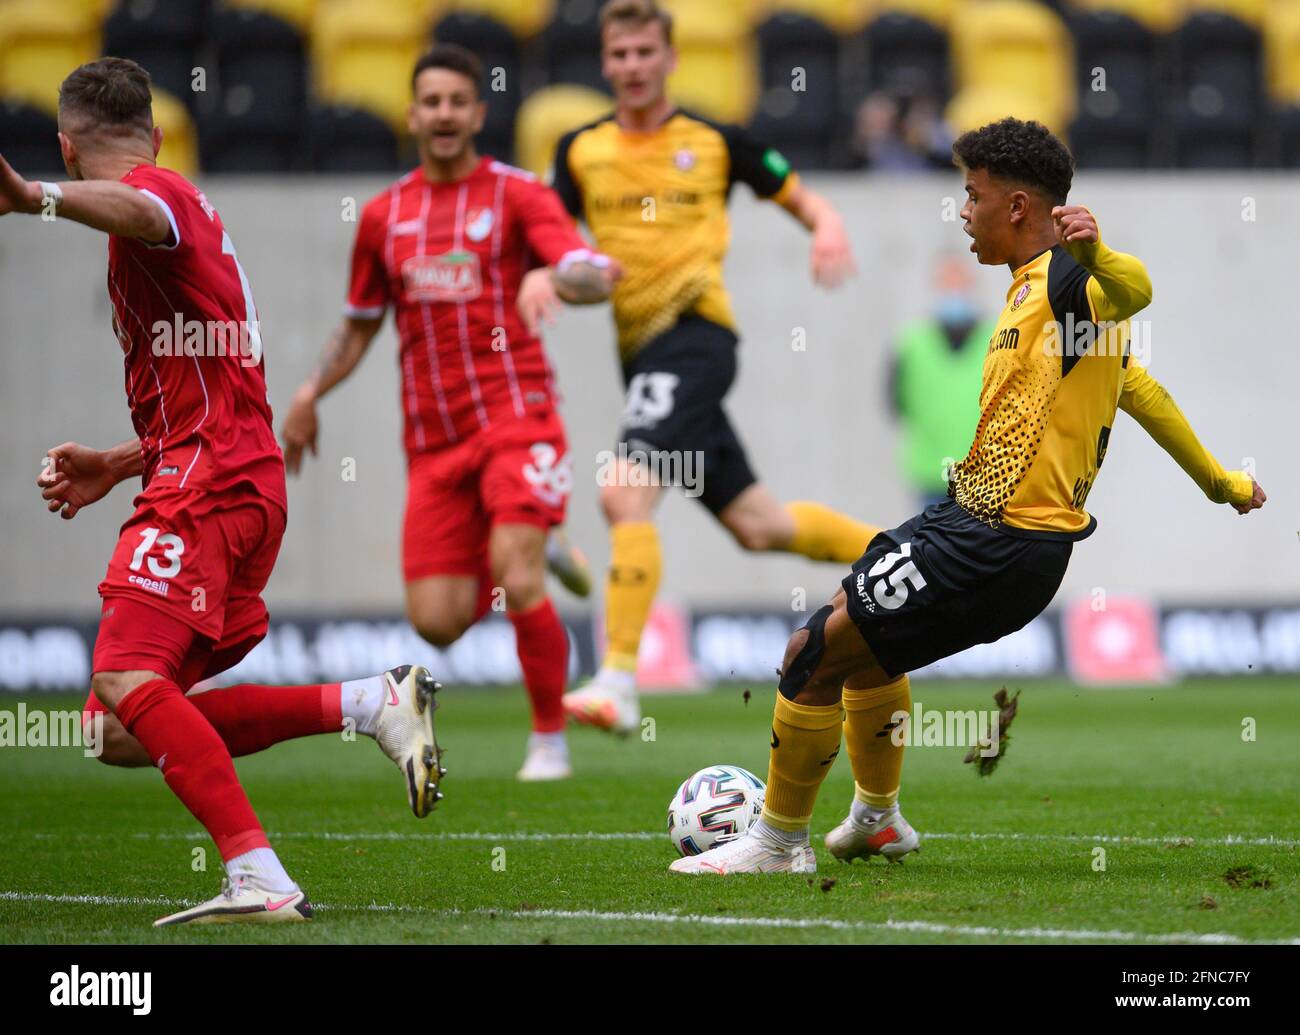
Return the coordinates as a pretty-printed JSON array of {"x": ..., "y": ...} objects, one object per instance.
[
  {"x": 41, "y": 41},
  {"x": 571, "y": 45},
  {"x": 1286, "y": 137},
  {"x": 362, "y": 56},
  {"x": 844, "y": 16},
  {"x": 547, "y": 115},
  {"x": 905, "y": 51},
  {"x": 1156, "y": 15},
  {"x": 180, "y": 147},
  {"x": 1251, "y": 12},
  {"x": 31, "y": 139},
  {"x": 497, "y": 48},
  {"x": 298, "y": 13},
  {"x": 1017, "y": 45},
  {"x": 163, "y": 37},
  {"x": 977, "y": 106},
  {"x": 256, "y": 122},
  {"x": 1118, "y": 70},
  {"x": 804, "y": 121},
  {"x": 350, "y": 140},
  {"x": 524, "y": 18},
  {"x": 936, "y": 12},
  {"x": 1282, "y": 53},
  {"x": 716, "y": 73},
  {"x": 1217, "y": 95}
]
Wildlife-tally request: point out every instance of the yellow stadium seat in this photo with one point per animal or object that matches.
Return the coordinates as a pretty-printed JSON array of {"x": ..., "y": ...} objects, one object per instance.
[
  {"x": 1282, "y": 52},
  {"x": 363, "y": 54},
  {"x": 180, "y": 147},
  {"x": 41, "y": 41},
  {"x": 298, "y": 13},
  {"x": 977, "y": 106},
  {"x": 1017, "y": 45},
  {"x": 1249, "y": 11},
  {"x": 547, "y": 115},
  {"x": 523, "y": 17},
  {"x": 939, "y": 12},
  {"x": 716, "y": 73},
  {"x": 841, "y": 15},
  {"x": 1156, "y": 15}
]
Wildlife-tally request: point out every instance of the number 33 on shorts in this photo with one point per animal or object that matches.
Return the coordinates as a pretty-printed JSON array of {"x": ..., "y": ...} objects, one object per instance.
[{"x": 893, "y": 577}]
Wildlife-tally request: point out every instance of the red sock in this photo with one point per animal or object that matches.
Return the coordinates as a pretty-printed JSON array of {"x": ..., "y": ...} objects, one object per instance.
[
  {"x": 194, "y": 762},
  {"x": 543, "y": 647},
  {"x": 251, "y": 718}
]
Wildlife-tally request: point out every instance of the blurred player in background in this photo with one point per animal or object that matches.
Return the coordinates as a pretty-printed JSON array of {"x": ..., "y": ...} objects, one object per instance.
[
  {"x": 182, "y": 595},
  {"x": 652, "y": 184},
  {"x": 934, "y": 381},
  {"x": 985, "y": 562},
  {"x": 448, "y": 246}
]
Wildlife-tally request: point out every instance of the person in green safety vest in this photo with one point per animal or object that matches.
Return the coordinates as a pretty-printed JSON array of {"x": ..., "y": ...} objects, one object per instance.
[{"x": 935, "y": 373}]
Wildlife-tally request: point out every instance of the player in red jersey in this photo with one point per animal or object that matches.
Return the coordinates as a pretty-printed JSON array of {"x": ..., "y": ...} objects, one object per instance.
[
  {"x": 460, "y": 248},
  {"x": 182, "y": 595}
]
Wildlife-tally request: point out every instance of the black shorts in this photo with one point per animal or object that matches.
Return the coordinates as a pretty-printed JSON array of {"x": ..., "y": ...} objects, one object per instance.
[
  {"x": 673, "y": 411},
  {"x": 944, "y": 581}
]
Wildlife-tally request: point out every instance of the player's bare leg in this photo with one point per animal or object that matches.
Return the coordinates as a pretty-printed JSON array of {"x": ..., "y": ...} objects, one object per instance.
[
  {"x": 806, "y": 731},
  {"x": 609, "y": 700},
  {"x": 517, "y": 555},
  {"x": 441, "y": 607},
  {"x": 758, "y": 521}
]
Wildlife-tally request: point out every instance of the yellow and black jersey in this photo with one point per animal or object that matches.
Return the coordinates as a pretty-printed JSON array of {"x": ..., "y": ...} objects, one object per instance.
[
  {"x": 1053, "y": 377},
  {"x": 657, "y": 202}
]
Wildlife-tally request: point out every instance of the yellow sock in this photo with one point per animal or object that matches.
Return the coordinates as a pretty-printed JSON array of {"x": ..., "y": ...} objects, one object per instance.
[
  {"x": 869, "y": 733},
  {"x": 827, "y": 535},
  {"x": 630, "y": 587},
  {"x": 805, "y": 741}
]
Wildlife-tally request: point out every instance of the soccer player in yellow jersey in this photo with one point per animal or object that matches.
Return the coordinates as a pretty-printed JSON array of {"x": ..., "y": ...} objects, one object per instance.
[
  {"x": 651, "y": 181},
  {"x": 984, "y": 562}
]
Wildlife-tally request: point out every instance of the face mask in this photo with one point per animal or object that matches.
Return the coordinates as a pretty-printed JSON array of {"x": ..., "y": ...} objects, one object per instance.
[{"x": 955, "y": 310}]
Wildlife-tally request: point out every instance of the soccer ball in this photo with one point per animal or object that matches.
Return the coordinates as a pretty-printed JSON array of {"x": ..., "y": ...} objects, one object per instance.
[{"x": 714, "y": 806}]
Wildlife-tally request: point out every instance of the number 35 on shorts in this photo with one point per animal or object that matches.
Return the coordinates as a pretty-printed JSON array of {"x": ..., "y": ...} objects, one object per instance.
[{"x": 895, "y": 576}]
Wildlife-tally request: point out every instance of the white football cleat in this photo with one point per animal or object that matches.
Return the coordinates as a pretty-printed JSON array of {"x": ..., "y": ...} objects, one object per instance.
[
  {"x": 568, "y": 564},
  {"x": 601, "y": 703},
  {"x": 547, "y": 759},
  {"x": 244, "y": 901},
  {"x": 891, "y": 836},
  {"x": 404, "y": 732},
  {"x": 749, "y": 853}
]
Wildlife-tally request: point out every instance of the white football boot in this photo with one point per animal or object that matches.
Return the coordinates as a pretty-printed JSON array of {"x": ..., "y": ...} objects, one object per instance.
[
  {"x": 404, "y": 732},
  {"x": 547, "y": 758},
  {"x": 568, "y": 564},
  {"x": 609, "y": 702},
  {"x": 891, "y": 836},
  {"x": 244, "y": 901},
  {"x": 749, "y": 853}
]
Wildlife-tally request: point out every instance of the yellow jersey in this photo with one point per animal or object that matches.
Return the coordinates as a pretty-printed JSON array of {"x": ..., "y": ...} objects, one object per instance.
[{"x": 657, "y": 202}]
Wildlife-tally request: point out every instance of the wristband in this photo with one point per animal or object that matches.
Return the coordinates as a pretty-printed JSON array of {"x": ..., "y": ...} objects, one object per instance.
[{"x": 50, "y": 191}]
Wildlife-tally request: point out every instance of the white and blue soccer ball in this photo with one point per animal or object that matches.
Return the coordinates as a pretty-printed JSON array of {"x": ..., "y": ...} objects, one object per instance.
[{"x": 714, "y": 806}]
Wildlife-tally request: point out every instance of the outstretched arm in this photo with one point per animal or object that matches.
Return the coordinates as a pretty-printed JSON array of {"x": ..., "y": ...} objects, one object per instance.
[
  {"x": 1146, "y": 401},
  {"x": 832, "y": 255},
  {"x": 103, "y": 205},
  {"x": 340, "y": 357},
  {"x": 1120, "y": 287}
]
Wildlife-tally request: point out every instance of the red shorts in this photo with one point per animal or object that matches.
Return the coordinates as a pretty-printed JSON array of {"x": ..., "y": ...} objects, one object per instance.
[
  {"x": 518, "y": 473},
  {"x": 183, "y": 588}
]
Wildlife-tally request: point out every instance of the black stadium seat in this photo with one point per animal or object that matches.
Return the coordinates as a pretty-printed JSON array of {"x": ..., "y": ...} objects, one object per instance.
[
  {"x": 161, "y": 35},
  {"x": 571, "y": 45},
  {"x": 497, "y": 48},
  {"x": 343, "y": 139},
  {"x": 804, "y": 123},
  {"x": 907, "y": 52},
  {"x": 1113, "y": 128},
  {"x": 1218, "y": 93},
  {"x": 31, "y": 139},
  {"x": 256, "y": 122}
]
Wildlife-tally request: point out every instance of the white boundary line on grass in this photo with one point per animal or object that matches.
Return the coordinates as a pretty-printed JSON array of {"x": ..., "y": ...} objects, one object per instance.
[
  {"x": 701, "y": 920},
  {"x": 647, "y": 835}
]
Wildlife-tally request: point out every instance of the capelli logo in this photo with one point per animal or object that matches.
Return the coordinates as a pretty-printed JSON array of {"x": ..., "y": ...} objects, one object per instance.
[{"x": 95, "y": 988}]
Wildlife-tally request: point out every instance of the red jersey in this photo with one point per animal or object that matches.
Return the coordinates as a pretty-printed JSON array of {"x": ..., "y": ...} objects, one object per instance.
[
  {"x": 184, "y": 314},
  {"x": 449, "y": 258}
]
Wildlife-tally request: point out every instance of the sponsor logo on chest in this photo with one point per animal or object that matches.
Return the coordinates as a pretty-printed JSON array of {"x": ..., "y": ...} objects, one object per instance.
[{"x": 450, "y": 277}]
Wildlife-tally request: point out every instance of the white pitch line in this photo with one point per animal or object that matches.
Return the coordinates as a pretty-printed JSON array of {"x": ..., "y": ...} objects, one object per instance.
[
  {"x": 1188, "y": 841},
  {"x": 701, "y": 920}
]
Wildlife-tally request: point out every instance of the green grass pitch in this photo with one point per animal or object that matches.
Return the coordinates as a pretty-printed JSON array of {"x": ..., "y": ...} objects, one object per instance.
[{"x": 1200, "y": 832}]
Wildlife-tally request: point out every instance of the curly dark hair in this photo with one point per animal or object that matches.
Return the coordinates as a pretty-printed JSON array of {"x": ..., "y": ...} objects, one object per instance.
[{"x": 1022, "y": 152}]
